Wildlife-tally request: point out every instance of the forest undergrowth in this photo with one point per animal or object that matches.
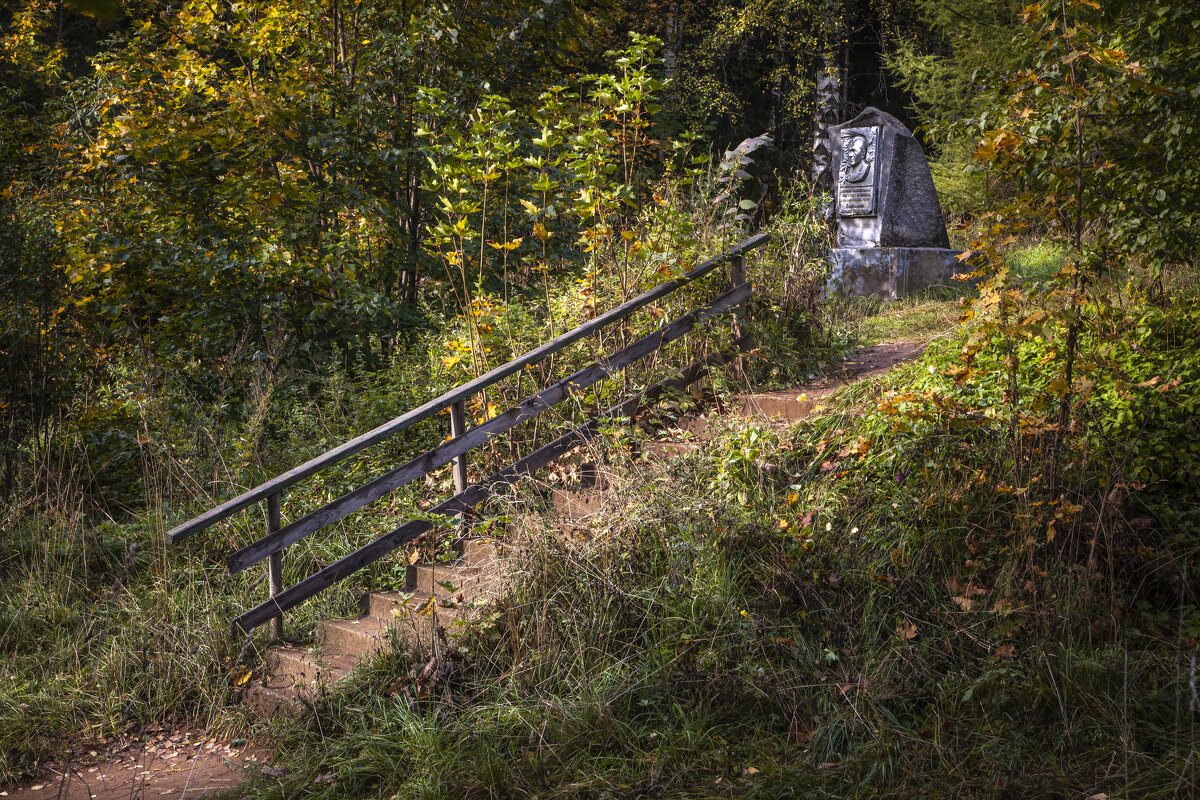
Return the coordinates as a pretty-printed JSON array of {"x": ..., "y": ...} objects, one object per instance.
[{"x": 886, "y": 599}]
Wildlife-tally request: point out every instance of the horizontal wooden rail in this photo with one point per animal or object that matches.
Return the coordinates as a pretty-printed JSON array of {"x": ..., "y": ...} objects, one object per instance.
[
  {"x": 466, "y": 390},
  {"x": 445, "y": 453},
  {"x": 380, "y": 547}
]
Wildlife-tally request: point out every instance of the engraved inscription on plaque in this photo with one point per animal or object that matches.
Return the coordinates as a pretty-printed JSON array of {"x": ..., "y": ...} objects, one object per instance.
[{"x": 856, "y": 178}]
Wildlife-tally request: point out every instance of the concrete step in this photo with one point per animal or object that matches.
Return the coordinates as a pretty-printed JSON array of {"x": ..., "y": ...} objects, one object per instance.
[
  {"x": 272, "y": 701},
  {"x": 358, "y": 638},
  {"x": 427, "y": 579},
  {"x": 577, "y": 504},
  {"x": 408, "y": 615},
  {"x": 416, "y": 627},
  {"x": 381, "y": 605},
  {"x": 697, "y": 429},
  {"x": 399, "y": 606},
  {"x": 479, "y": 551},
  {"x": 663, "y": 449},
  {"x": 298, "y": 668},
  {"x": 298, "y": 673},
  {"x": 588, "y": 475}
]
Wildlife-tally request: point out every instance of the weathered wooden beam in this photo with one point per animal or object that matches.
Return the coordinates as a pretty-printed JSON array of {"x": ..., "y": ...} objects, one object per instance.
[
  {"x": 392, "y": 427},
  {"x": 448, "y": 451},
  {"x": 458, "y": 426},
  {"x": 348, "y": 565},
  {"x": 274, "y": 563},
  {"x": 737, "y": 276}
]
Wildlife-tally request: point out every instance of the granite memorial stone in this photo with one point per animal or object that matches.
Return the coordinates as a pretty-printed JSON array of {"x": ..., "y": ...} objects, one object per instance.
[{"x": 891, "y": 237}]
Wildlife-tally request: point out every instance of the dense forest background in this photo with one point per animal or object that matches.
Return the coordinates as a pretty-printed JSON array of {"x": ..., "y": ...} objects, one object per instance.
[
  {"x": 204, "y": 188},
  {"x": 234, "y": 234},
  {"x": 204, "y": 185}
]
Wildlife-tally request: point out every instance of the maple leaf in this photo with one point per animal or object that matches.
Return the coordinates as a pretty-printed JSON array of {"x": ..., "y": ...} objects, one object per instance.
[{"x": 859, "y": 447}]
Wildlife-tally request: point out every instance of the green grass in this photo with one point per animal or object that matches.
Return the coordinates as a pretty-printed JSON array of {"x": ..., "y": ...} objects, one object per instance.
[
  {"x": 925, "y": 314},
  {"x": 1036, "y": 261},
  {"x": 104, "y": 627},
  {"x": 917, "y": 317},
  {"x": 101, "y": 629}
]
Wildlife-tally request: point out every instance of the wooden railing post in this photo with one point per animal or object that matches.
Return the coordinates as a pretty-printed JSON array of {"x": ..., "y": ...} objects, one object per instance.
[
  {"x": 274, "y": 563},
  {"x": 737, "y": 276},
  {"x": 458, "y": 426}
]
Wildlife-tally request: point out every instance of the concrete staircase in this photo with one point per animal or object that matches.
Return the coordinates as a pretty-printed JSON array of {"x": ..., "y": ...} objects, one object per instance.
[{"x": 436, "y": 596}]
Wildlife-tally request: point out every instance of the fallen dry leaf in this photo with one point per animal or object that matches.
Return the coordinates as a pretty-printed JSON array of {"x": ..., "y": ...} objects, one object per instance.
[
  {"x": 427, "y": 608},
  {"x": 798, "y": 732}
]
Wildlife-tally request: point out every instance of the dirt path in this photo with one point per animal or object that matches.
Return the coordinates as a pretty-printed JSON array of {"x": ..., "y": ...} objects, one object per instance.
[
  {"x": 799, "y": 401},
  {"x": 867, "y": 362},
  {"x": 171, "y": 764}
]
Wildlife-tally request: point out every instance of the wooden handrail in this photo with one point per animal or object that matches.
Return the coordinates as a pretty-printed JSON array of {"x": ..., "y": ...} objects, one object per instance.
[
  {"x": 459, "y": 393},
  {"x": 344, "y": 567},
  {"x": 454, "y": 450},
  {"x": 447, "y": 451}
]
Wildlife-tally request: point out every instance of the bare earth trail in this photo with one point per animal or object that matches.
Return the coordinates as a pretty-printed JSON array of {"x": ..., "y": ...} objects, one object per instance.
[
  {"x": 170, "y": 764},
  {"x": 862, "y": 364},
  {"x": 180, "y": 764}
]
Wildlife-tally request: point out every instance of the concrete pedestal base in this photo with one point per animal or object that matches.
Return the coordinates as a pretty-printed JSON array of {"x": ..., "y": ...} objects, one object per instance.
[{"x": 892, "y": 272}]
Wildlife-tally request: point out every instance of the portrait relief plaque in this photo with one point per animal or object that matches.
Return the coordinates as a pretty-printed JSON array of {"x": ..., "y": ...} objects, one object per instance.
[
  {"x": 891, "y": 234},
  {"x": 856, "y": 177}
]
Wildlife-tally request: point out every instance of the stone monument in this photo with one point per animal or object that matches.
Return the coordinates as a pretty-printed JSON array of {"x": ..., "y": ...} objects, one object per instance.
[{"x": 891, "y": 237}]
